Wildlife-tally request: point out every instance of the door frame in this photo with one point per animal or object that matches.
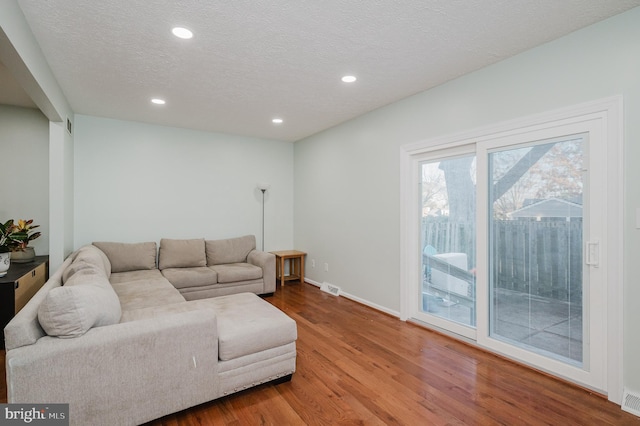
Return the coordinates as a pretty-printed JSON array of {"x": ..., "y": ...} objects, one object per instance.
[{"x": 607, "y": 114}]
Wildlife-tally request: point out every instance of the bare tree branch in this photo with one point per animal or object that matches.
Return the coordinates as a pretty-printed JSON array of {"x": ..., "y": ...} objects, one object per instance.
[{"x": 520, "y": 168}]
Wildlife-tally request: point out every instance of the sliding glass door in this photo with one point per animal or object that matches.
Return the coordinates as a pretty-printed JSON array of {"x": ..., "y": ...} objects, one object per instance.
[
  {"x": 536, "y": 277},
  {"x": 508, "y": 246},
  {"x": 448, "y": 214},
  {"x": 543, "y": 292}
]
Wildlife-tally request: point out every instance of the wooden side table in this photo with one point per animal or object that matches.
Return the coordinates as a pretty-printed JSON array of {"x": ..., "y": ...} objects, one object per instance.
[
  {"x": 296, "y": 265},
  {"x": 22, "y": 281}
]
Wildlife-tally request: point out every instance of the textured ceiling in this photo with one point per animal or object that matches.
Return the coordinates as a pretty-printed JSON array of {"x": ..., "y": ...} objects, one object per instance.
[{"x": 250, "y": 61}]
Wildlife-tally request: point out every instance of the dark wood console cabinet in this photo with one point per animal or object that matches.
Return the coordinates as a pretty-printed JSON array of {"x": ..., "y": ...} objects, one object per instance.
[{"x": 22, "y": 281}]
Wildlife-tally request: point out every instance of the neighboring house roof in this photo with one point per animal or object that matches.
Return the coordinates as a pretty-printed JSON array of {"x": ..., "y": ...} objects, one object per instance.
[{"x": 552, "y": 207}]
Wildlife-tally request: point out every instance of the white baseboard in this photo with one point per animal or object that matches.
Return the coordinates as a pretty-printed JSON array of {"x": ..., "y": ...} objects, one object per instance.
[
  {"x": 312, "y": 282},
  {"x": 359, "y": 300}
]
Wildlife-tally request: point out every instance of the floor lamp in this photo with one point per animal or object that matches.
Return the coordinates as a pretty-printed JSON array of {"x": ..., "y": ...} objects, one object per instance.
[{"x": 263, "y": 187}]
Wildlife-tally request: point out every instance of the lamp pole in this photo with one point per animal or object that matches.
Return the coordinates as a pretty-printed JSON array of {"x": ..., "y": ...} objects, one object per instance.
[
  {"x": 263, "y": 191},
  {"x": 263, "y": 187}
]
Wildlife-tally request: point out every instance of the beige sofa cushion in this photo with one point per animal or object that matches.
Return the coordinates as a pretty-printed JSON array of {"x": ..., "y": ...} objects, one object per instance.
[
  {"x": 232, "y": 250},
  {"x": 129, "y": 276},
  {"x": 85, "y": 257},
  {"x": 87, "y": 300},
  {"x": 190, "y": 277},
  {"x": 75, "y": 267},
  {"x": 105, "y": 260},
  {"x": 181, "y": 253},
  {"x": 241, "y": 334},
  {"x": 146, "y": 293},
  {"x": 129, "y": 256},
  {"x": 83, "y": 275},
  {"x": 234, "y": 272}
]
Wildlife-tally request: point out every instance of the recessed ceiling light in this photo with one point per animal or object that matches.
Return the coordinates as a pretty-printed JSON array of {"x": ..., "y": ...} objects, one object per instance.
[
  {"x": 182, "y": 32},
  {"x": 277, "y": 121},
  {"x": 158, "y": 101},
  {"x": 349, "y": 78}
]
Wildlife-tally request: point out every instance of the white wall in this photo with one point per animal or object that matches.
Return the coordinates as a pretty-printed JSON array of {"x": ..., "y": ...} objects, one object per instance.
[
  {"x": 24, "y": 147},
  {"x": 60, "y": 193},
  {"x": 347, "y": 178},
  {"x": 21, "y": 54},
  {"x": 140, "y": 182}
]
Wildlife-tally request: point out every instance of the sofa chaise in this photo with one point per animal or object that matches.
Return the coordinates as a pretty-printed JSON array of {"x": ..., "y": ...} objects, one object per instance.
[{"x": 112, "y": 336}]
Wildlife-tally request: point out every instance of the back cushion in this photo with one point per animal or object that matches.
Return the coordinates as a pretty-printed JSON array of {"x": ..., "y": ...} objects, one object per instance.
[
  {"x": 126, "y": 257},
  {"x": 80, "y": 266},
  {"x": 233, "y": 250},
  {"x": 88, "y": 256},
  {"x": 87, "y": 300},
  {"x": 181, "y": 253},
  {"x": 105, "y": 260},
  {"x": 75, "y": 267}
]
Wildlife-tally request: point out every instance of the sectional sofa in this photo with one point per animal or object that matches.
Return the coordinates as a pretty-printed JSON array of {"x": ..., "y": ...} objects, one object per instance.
[{"x": 125, "y": 342}]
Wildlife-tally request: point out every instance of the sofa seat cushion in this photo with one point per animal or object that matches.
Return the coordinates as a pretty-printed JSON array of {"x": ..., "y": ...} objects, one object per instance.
[
  {"x": 146, "y": 293},
  {"x": 247, "y": 324},
  {"x": 162, "y": 310},
  {"x": 233, "y": 272},
  {"x": 123, "y": 277},
  {"x": 190, "y": 277},
  {"x": 215, "y": 290}
]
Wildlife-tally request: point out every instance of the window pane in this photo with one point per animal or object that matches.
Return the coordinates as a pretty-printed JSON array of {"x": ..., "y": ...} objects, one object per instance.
[
  {"x": 448, "y": 239},
  {"x": 536, "y": 264}
]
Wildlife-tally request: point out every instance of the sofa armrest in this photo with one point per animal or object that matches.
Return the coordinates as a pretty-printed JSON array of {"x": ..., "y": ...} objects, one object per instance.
[
  {"x": 267, "y": 261},
  {"x": 127, "y": 373}
]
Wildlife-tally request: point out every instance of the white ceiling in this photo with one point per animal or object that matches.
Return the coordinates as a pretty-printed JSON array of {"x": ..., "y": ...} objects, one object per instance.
[{"x": 250, "y": 61}]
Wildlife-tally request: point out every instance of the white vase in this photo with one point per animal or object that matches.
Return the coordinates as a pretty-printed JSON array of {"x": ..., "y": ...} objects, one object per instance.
[{"x": 5, "y": 262}]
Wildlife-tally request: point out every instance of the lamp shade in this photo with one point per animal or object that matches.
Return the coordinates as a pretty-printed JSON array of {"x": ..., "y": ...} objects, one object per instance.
[{"x": 262, "y": 186}]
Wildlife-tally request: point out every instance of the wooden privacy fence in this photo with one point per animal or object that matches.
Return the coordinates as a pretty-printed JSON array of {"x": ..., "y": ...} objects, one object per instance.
[
  {"x": 450, "y": 237},
  {"x": 539, "y": 258}
]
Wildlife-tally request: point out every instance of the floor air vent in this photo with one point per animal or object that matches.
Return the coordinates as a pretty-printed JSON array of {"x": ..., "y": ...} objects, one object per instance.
[
  {"x": 330, "y": 288},
  {"x": 631, "y": 402}
]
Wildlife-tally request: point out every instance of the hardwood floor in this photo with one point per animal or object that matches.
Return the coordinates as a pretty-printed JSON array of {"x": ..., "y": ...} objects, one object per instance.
[{"x": 356, "y": 365}]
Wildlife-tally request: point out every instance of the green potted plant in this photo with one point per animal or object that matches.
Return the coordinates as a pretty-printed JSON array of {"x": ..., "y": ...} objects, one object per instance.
[
  {"x": 22, "y": 253},
  {"x": 10, "y": 238}
]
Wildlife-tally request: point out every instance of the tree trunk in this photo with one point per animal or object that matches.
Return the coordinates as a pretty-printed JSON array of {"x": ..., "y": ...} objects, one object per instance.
[{"x": 461, "y": 190}]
